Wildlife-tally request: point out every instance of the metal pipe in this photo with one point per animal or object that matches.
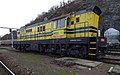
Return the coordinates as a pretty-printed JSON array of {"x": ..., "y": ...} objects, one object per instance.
[
  {"x": 12, "y": 38},
  {"x": 111, "y": 68}
]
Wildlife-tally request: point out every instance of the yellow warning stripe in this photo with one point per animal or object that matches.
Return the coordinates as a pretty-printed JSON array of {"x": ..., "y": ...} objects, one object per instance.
[
  {"x": 91, "y": 54},
  {"x": 92, "y": 42},
  {"x": 92, "y": 48}
]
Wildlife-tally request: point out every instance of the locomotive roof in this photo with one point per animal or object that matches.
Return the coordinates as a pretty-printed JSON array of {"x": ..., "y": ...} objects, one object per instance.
[
  {"x": 21, "y": 28},
  {"x": 62, "y": 16},
  {"x": 37, "y": 24},
  {"x": 95, "y": 9},
  {"x": 24, "y": 27}
]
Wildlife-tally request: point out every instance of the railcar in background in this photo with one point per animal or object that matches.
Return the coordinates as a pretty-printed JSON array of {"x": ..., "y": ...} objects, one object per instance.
[
  {"x": 76, "y": 33},
  {"x": 113, "y": 38}
]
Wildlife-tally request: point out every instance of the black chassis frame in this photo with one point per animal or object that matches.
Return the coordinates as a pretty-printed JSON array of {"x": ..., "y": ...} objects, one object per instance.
[{"x": 69, "y": 46}]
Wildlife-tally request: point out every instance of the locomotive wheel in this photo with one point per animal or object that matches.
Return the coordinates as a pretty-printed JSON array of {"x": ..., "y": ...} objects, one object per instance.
[{"x": 62, "y": 53}]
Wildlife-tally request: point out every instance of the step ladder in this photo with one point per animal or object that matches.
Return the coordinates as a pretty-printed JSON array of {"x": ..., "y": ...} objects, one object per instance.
[{"x": 92, "y": 50}]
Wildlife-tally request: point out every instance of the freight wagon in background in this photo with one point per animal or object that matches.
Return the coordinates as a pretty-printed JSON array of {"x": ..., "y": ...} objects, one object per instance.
[
  {"x": 75, "y": 34},
  {"x": 6, "y": 39},
  {"x": 113, "y": 37}
]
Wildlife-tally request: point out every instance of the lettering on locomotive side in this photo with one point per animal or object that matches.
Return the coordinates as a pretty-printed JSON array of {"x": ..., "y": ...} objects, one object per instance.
[{"x": 74, "y": 40}]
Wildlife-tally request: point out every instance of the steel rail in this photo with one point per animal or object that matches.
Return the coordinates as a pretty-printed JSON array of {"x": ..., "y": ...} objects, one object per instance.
[{"x": 7, "y": 68}]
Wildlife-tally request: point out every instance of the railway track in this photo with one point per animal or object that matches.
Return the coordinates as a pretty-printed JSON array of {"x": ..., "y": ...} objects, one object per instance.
[
  {"x": 112, "y": 57},
  {"x": 115, "y": 52},
  {"x": 111, "y": 60},
  {"x": 4, "y": 70}
]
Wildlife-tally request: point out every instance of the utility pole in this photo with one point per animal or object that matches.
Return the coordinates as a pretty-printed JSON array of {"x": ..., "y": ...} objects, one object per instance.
[
  {"x": 0, "y": 40},
  {"x": 10, "y": 30},
  {"x": 12, "y": 37}
]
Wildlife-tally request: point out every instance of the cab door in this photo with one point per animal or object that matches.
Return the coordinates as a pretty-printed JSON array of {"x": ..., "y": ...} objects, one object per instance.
[{"x": 70, "y": 26}]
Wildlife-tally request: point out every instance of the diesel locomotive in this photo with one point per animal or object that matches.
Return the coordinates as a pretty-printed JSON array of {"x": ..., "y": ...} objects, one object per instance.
[{"x": 76, "y": 33}]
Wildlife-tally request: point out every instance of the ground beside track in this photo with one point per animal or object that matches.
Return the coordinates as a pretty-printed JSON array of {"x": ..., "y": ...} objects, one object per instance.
[{"x": 43, "y": 65}]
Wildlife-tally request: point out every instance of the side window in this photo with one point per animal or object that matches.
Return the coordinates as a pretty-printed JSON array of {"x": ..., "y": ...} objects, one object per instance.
[
  {"x": 62, "y": 23},
  {"x": 38, "y": 29},
  {"x": 43, "y": 28},
  {"x": 18, "y": 32},
  {"x": 59, "y": 23},
  {"x": 29, "y": 30},
  {"x": 68, "y": 21},
  {"x": 77, "y": 19},
  {"x": 55, "y": 24}
]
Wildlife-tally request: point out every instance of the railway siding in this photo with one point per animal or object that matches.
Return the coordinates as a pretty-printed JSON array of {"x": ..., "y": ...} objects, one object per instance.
[
  {"x": 13, "y": 66},
  {"x": 7, "y": 70}
]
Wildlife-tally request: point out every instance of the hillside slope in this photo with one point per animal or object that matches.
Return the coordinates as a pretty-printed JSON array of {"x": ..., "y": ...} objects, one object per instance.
[{"x": 110, "y": 16}]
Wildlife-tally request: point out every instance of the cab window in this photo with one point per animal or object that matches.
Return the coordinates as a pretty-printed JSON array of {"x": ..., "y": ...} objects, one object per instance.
[
  {"x": 61, "y": 23},
  {"x": 55, "y": 24},
  {"x": 77, "y": 19}
]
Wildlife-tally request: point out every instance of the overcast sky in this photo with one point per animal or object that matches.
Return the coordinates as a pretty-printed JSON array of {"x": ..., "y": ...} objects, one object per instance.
[{"x": 16, "y": 13}]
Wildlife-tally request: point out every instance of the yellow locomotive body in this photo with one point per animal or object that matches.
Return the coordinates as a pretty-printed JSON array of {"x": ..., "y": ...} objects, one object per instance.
[{"x": 73, "y": 34}]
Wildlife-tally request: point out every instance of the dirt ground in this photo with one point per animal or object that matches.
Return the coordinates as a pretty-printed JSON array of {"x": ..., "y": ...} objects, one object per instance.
[{"x": 33, "y": 63}]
